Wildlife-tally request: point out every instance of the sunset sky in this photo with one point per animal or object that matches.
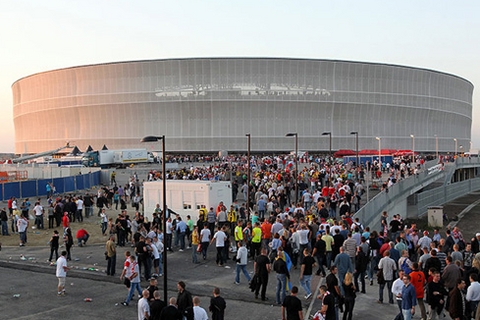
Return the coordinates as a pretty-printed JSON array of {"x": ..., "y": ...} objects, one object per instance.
[{"x": 37, "y": 36}]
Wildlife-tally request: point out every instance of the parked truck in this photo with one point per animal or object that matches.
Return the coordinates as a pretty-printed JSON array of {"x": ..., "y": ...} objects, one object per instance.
[{"x": 116, "y": 158}]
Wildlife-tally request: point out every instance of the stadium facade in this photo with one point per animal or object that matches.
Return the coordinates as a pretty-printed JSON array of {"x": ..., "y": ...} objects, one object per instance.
[{"x": 209, "y": 104}]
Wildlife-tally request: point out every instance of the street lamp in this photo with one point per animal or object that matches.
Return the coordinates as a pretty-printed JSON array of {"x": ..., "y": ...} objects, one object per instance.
[
  {"x": 356, "y": 146},
  {"x": 329, "y": 134},
  {"x": 379, "y": 151},
  {"x": 164, "y": 178},
  {"x": 436, "y": 146},
  {"x": 455, "y": 139},
  {"x": 291, "y": 134},
  {"x": 413, "y": 148},
  {"x": 248, "y": 176}
]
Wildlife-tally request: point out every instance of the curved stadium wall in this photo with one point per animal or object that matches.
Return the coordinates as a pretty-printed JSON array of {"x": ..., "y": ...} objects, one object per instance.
[{"x": 209, "y": 104}]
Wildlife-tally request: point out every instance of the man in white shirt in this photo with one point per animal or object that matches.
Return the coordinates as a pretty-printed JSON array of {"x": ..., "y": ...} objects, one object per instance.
[
  {"x": 198, "y": 312},
  {"x": 61, "y": 273},
  {"x": 38, "y": 210},
  {"x": 220, "y": 237},
  {"x": 143, "y": 306},
  {"x": 397, "y": 292},
  {"x": 22, "y": 225},
  {"x": 78, "y": 214}
]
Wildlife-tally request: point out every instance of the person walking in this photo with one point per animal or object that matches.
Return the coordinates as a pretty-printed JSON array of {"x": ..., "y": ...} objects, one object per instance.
[
  {"x": 219, "y": 238},
  {"x": 280, "y": 267},
  {"x": 133, "y": 275},
  {"x": 111, "y": 255},
  {"x": 306, "y": 271},
  {"x": 388, "y": 267},
  {"x": 292, "y": 306},
  {"x": 409, "y": 298},
  {"x": 217, "y": 305},
  {"x": 349, "y": 295},
  {"x": 61, "y": 272},
  {"x": 261, "y": 268},
  {"x": 242, "y": 259}
]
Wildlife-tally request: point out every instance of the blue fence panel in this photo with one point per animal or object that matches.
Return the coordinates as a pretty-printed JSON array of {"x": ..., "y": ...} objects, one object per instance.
[
  {"x": 59, "y": 184},
  {"x": 69, "y": 184},
  {"x": 80, "y": 182},
  {"x": 96, "y": 178},
  {"x": 29, "y": 188},
  {"x": 42, "y": 186},
  {"x": 11, "y": 189}
]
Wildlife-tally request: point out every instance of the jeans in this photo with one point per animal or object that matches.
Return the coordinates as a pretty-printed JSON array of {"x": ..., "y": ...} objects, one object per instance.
[
  {"x": 305, "y": 282},
  {"x": 23, "y": 237},
  {"x": 160, "y": 265},
  {"x": 204, "y": 249},
  {"x": 181, "y": 236},
  {"x": 133, "y": 286},
  {"x": 243, "y": 268},
  {"x": 84, "y": 238},
  {"x": 4, "y": 228},
  {"x": 281, "y": 287},
  {"x": 389, "y": 288},
  {"x": 407, "y": 314},
  {"x": 329, "y": 259},
  {"x": 39, "y": 221},
  {"x": 104, "y": 227},
  {"x": 88, "y": 211},
  {"x": 194, "y": 253}
]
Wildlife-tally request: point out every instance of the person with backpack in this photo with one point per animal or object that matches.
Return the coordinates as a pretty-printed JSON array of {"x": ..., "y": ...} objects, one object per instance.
[{"x": 404, "y": 263}]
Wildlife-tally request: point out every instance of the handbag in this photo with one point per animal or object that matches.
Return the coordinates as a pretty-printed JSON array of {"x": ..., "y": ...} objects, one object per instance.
[
  {"x": 380, "y": 277},
  {"x": 199, "y": 248}
]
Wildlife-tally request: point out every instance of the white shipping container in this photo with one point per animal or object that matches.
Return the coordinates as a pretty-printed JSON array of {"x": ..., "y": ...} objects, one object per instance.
[{"x": 186, "y": 197}]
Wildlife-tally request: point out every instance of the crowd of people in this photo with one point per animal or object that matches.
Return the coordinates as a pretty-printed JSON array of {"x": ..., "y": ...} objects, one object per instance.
[{"x": 294, "y": 234}]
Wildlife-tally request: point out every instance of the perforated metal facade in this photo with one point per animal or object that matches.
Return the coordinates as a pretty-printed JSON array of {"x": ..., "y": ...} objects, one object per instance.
[{"x": 209, "y": 104}]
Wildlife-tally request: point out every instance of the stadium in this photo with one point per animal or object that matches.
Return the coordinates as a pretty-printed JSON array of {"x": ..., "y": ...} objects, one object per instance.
[{"x": 209, "y": 104}]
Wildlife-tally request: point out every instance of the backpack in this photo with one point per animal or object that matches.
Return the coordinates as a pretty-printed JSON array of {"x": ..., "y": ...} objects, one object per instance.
[{"x": 405, "y": 267}]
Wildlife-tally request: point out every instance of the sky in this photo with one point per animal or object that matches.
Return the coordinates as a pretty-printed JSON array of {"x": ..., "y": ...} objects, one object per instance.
[{"x": 37, "y": 36}]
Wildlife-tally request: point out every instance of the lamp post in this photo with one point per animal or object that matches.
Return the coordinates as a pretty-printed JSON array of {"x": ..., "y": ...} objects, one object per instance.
[
  {"x": 413, "y": 148},
  {"x": 455, "y": 139},
  {"x": 294, "y": 134},
  {"x": 461, "y": 150},
  {"x": 436, "y": 146},
  {"x": 164, "y": 191},
  {"x": 248, "y": 176},
  {"x": 329, "y": 134},
  {"x": 356, "y": 146}
]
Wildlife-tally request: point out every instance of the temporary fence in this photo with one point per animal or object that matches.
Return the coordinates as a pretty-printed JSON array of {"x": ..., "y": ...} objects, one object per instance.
[{"x": 37, "y": 187}]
